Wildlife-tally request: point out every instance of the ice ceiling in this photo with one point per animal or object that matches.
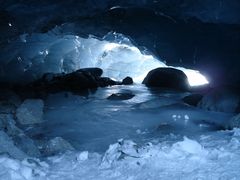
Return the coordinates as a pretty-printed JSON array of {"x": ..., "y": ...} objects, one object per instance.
[{"x": 33, "y": 55}]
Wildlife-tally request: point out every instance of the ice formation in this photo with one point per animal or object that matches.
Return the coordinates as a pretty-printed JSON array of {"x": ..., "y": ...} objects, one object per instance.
[
  {"x": 115, "y": 54},
  {"x": 146, "y": 137},
  {"x": 184, "y": 159}
]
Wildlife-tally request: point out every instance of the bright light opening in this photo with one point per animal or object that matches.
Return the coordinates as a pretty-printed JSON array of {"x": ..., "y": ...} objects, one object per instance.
[
  {"x": 127, "y": 60},
  {"x": 114, "y": 54},
  {"x": 195, "y": 78}
]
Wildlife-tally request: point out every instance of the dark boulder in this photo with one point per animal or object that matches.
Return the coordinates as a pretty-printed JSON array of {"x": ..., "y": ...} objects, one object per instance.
[
  {"x": 96, "y": 72},
  {"x": 121, "y": 96},
  {"x": 127, "y": 81},
  {"x": 167, "y": 78},
  {"x": 77, "y": 82},
  {"x": 192, "y": 99},
  {"x": 105, "y": 81},
  {"x": 234, "y": 122},
  {"x": 221, "y": 99}
]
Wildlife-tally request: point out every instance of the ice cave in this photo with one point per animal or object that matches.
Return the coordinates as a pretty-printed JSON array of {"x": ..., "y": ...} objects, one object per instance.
[{"x": 119, "y": 90}]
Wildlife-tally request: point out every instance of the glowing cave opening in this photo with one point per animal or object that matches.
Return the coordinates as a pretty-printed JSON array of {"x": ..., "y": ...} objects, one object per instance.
[
  {"x": 195, "y": 78},
  {"x": 125, "y": 60},
  {"x": 115, "y": 54}
]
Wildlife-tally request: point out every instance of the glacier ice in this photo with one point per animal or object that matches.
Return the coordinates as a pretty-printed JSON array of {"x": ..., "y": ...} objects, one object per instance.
[{"x": 33, "y": 55}]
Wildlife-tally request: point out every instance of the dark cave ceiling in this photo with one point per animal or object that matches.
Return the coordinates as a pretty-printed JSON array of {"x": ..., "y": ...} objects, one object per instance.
[{"x": 201, "y": 34}]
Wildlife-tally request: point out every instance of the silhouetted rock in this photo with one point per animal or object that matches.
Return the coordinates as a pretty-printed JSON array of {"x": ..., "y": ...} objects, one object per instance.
[
  {"x": 221, "y": 99},
  {"x": 96, "y": 72},
  {"x": 167, "y": 78},
  {"x": 121, "y": 96},
  {"x": 76, "y": 82},
  {"x": 8, "y": 125},
  {"x": 127, "y": 81},
  {"x": 234, "y": 122},
  {"x": 6, "y": 107},
  {"x": 105, "y": 81},
  {"x": 9, "y": 96},
  {"x": 192, "y": 99}
]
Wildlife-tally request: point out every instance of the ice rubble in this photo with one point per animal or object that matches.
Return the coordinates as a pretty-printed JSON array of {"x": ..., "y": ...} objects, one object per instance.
[
  {"x": 38, "y": 53},
  {"x": 184, "y": 159},
  {"x": 13, "y": 139}
]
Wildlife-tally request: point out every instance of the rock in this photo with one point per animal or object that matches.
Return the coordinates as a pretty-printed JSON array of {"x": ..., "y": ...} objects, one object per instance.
[
  {"x": 48, "y": 77},
  {"x": 220, "y": 99},
  {"x": 57, "y": 145},
  {"x": 30, "y": 112},
  {"x": 96, "y": 72},
  {"x": 192, "y": 99},
  {"x": 7, "y": 124},
  {"x": 234, "y": 122},
  {"x": 76, "y": 82},
  {"x": 7, "y": 146},
  {"x": 127, "y": 81},
  {"x": 121, "y": 96},
  {"x": 105, "y": 81},
  {"x": 10, "y": 97},
  {"x": 167, "y": 78},
  {"x": 7, "y": 108}
]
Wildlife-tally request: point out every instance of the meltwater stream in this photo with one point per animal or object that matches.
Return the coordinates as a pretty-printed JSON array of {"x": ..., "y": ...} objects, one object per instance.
[
  {"x": 92, "y": 123},
  {"x": 154, "y": 135}
]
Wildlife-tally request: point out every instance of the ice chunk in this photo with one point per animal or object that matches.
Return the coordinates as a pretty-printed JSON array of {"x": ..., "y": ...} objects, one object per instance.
[
  {"x": 18, "y": 170},
  {"x": 21, "y": 141},
  {"x": 30, "y": 111},
  {"x": 186, "y": 117},
  {"x": 7, "y": 124},
  {"x": 57, "y": 145},
  {"x": 118, "y": 151},
  {"x": 234, "y": 122},
  {"x": 83, "y": 156},
  {"x": 7, "y": 146},
  {"x": 236, "y": 132},
  {"x": 27, "y": 145},
  {"x": 190, "y": 146}
]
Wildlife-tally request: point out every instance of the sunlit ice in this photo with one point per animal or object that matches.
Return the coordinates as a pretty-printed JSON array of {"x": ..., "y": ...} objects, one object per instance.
[
  {"x": 143, "y": 63},
  {"x": 195, "y": 78},
  {"x": 117, "y": 56}
]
